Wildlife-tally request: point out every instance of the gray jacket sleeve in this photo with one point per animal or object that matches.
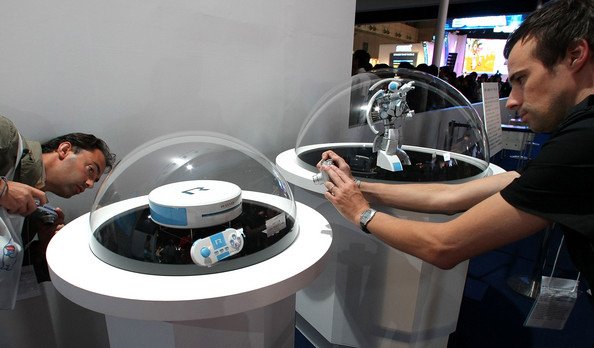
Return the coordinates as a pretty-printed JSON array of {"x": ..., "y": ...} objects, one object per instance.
[{"x": 9, "y": 143}]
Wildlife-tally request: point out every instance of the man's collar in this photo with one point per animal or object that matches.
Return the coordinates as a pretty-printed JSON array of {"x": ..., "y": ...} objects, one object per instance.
[{"x": 583, "y": 105}]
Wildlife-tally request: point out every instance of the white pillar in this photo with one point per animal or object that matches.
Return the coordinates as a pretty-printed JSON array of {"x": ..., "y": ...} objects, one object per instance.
[{"x": 440, "y": 31}]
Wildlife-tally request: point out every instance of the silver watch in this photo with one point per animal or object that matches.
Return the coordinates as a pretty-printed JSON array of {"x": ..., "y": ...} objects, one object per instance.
[{"x": 366, "y": 216}]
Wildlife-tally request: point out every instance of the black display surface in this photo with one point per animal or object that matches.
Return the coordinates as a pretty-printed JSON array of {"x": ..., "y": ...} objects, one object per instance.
[
  {"x": 132, "y": 241},
  {"x": 425, "y": 167}
]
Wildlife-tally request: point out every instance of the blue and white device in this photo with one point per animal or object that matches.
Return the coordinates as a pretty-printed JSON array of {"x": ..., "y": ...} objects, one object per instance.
[
  {"x": 195, "y": 203},
  {"x": 219, "y": 246}
]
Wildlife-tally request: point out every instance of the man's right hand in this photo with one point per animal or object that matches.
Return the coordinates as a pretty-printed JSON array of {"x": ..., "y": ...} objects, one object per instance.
[
  {"x": 338, "y": 161},
  {"x": 21, "y": 199}
]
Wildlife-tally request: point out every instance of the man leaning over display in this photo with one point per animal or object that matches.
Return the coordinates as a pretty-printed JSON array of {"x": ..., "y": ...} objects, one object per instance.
[
  {"x": 66, "y": 165},
  {"x": 551, "y": 70}
]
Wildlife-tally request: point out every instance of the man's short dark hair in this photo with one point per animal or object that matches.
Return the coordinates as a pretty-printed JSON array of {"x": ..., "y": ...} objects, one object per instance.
[
  {"x": 556, "y": 26},
  {"x": 82, "y": 141}
]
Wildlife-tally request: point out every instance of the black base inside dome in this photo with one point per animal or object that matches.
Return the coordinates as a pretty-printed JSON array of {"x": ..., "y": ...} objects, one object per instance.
[
  {"x": 424, "y": 166},
  {"x": 132, "y": 241}
]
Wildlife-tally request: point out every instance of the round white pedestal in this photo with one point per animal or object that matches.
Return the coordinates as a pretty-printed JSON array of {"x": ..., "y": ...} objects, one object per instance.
[
  {"x": 253, "y": 305},
  {"x": 372, "y": 295}
]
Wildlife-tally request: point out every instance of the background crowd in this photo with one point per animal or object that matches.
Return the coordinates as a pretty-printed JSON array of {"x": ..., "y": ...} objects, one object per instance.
[{"x": 469, "y": 85}]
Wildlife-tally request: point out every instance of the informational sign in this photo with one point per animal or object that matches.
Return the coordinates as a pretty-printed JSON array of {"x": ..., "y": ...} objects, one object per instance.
[
  {"x": 492, "y": 116},
  {"x": 554, "y": 303}
]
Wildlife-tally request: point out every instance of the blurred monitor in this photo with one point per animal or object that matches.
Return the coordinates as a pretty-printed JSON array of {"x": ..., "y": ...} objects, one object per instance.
[
  {"x": 398, "y": 57},
  {"x": 485, "y": 56}
]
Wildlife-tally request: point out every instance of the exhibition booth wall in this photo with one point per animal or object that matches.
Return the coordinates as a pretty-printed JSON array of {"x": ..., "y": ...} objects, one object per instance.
[{"x": 131, "y": 71}]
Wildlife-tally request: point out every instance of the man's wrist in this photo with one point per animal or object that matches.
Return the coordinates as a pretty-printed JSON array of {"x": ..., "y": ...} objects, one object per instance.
[{"x": 365, "y": 218}]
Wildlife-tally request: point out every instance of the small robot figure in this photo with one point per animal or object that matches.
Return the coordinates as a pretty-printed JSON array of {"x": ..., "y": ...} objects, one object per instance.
[{"x": 391, "y": 107}]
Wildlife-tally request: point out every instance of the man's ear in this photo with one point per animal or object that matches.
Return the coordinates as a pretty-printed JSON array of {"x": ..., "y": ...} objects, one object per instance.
[
  {"x": 63, "y": 149},
  {"x": 578, "y": 53}
]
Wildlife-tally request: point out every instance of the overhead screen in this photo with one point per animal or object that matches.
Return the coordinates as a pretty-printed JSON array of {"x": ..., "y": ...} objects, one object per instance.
[
  {"x": 485, "y": 56},
  {"x": 499, "y": 24}
]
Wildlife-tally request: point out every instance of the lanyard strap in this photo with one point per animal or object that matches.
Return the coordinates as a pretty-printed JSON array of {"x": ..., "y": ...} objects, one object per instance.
[{"x": 555, "y": 265}]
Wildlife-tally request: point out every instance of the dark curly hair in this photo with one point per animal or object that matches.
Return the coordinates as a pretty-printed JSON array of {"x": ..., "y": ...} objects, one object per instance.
[{"x": 82, "y": 141}]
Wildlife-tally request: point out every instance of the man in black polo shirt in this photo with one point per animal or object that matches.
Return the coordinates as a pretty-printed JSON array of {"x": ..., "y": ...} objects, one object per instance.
[{"x": 551, "y": 67}]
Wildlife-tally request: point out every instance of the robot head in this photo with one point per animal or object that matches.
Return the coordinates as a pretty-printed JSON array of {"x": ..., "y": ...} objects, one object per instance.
[{"x": 393, "y": 86}]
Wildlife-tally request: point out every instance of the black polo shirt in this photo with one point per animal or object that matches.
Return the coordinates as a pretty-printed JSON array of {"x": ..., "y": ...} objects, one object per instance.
[{"x": 558, "y": 184}]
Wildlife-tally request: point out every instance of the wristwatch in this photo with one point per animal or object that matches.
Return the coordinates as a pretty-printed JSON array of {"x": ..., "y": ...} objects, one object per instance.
[{"x": 366, "y": 216}]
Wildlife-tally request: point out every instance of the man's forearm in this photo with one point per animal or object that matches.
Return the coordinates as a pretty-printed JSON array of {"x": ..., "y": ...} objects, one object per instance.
[
  {"x": 486, "y": 226},
  {"x": 415, "y": 197},
  {"x": 436, "y": 197}
]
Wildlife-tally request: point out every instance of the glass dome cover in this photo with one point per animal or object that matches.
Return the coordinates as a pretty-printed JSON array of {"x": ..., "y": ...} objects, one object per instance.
[
  {"x": 192, "y": 203},
  {"x": 397, "y": 125}
]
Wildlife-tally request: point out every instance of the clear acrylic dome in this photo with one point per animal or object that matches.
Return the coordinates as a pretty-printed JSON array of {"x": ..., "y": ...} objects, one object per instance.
[
  {"x": 397, "y": 125},
  {"x": 192, "y": 203}
]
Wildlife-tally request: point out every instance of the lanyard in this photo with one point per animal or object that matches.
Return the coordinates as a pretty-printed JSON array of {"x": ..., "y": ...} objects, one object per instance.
[{"x": 555, "y": 265}]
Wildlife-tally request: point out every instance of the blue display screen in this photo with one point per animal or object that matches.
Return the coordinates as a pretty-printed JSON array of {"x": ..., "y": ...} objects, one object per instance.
[{"x": 505, "y": 24}]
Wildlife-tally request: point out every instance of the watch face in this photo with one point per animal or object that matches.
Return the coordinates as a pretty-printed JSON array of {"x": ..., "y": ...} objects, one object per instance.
[{"x": 366, "y": 214}]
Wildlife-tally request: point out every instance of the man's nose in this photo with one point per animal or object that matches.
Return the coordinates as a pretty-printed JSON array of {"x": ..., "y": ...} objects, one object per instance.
[
  {"x": 512, "y": 101},
  {"x": 90, "y": 183}
]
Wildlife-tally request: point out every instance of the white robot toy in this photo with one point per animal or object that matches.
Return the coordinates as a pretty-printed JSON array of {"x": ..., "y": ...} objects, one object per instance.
[{"x": 391, "y": 108}]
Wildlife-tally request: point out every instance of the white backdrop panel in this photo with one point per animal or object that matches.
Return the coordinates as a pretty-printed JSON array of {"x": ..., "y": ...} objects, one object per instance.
[{"x": 131, "y": 70}]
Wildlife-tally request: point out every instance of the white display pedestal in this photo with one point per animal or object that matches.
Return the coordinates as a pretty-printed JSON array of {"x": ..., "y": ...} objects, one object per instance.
[
  {"x": 372, "y": 295},
  {"x": 268, "y": 326},
  {"x": 250, "y": 306}
]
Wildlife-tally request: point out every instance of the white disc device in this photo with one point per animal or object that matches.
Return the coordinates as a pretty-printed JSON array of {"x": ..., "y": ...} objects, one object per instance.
[{"x": 195, "y": 203}]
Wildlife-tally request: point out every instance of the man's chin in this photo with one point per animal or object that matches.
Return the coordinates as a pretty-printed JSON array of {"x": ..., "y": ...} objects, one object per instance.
[
  {"x": 66, "y": 194},
  {"x": 538, "y": 128}
]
